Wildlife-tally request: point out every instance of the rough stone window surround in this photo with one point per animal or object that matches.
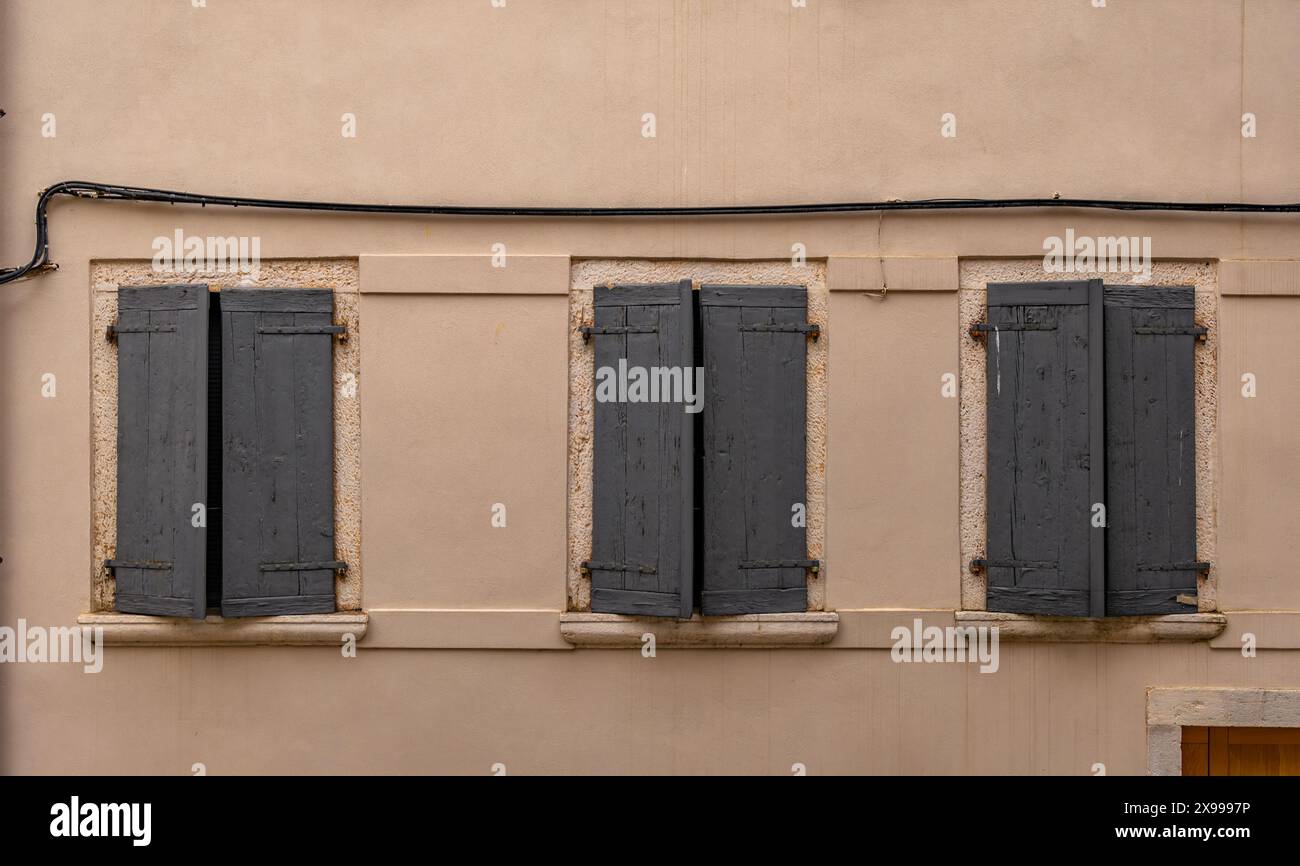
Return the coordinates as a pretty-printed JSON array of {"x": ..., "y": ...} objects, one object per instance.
[
  {"x": 340, "y": 275},
  {"x": 1169, "y": 710},
  {"x": 579, "y": 626},
  {"x": 974, "y": 277}
]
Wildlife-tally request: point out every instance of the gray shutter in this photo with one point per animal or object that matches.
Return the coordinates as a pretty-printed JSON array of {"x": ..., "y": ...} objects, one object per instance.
[
  {"x": 162, "y": 339},
  {"x": 755, "y": 451},
  {"x": 278, "y": 452},
  {"x": 1150, "y": 450},
  {"x": 1045, "y": 448},
  {"x": 642, "y": 559}
]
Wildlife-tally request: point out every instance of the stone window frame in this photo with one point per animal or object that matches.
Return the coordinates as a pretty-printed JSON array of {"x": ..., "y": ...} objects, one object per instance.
[
  {"x": 578, "y": 624},
  {"x": 974, "y": 275},
  {"x": 342, "y": 277},
  {"x": 1169, "y": 710}
]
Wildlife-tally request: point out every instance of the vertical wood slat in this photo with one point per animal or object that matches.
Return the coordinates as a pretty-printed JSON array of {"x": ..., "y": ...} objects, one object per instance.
[
  {"x": 755, "y": 449},
  {"x": 278, "y": 453},
  {"x": 1044, "y": 447},
  {"x": 1219, "y": 764},
  {"x": 1150, "y": 450},
  {"x": 643, "y": 531},
  {"x": 161, "y": 449}
]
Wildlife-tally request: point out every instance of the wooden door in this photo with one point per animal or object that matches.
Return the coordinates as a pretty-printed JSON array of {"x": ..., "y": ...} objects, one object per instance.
[{"x": 1241, "y": 751}]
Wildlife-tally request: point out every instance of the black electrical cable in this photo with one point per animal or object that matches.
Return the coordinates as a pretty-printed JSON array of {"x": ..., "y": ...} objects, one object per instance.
[{"x": 85, "y": 189}]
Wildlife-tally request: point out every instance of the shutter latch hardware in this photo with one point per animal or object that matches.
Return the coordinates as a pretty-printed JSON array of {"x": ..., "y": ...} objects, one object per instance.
[
  {"x": 616, "y": 566},
  {"x": 114, "y": 329},
  {"x": 151, "y": 564},
  {"x": 813, "y": 565},
  {"x": 980, "y": 329},
  {"x": 340, "y": 331},
  {"x": 813, "y": 331},
  {"x": 588, "y": 330},
  {"x": 334, "y": 565}
]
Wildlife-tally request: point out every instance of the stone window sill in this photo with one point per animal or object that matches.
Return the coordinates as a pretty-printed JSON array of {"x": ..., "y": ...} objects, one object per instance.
[
  {"x": 764, "y": 630},
  {"x": 1119, "y": 629},
  {"x": 126, "y": 629}
]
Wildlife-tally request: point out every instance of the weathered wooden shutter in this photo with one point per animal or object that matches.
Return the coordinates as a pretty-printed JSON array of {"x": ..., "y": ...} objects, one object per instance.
[
  {"x": 755, "y": 451},
  {"x": 278, "y": 452},
  {"x": 1150, "y": 451},
  {"x": 162, "y": 339},
  {"x": 1045, "y": 448},
  {"x": 643, "y": 536}
]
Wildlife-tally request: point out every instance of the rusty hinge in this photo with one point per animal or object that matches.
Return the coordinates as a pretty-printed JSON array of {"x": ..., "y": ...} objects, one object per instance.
[
  {"x": 588, "y": 330},
  {"x": 813, "y": 331},
  {"x": 616, "y": 566},
  {"x": 340, "y": 331},
  {"x": 1174, "y": 566},
  {"x": 151, "y": 564},
  {"x": 813, "y": 565},
  {"x": 335, "y": 565},
  {"x": 1200, "y": 332},
  {"x": 977, "y": 565},
  {"x": 979, "y": 329},
  {"x": 115, "y": 329}
]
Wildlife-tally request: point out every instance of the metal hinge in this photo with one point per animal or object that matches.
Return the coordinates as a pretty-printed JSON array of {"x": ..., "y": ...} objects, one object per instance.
[
  {"x": 303, "y": 566},
  {"x": 1200, "y": 332},
  {"x": 813, "y": 565},
  {"x": 979, "y": 329},
  {"x": 616, "y": 566},
  {"x": 1174, "y": 566},
  {"x": 588, "y": 330},
  {"x": 813, "y": 331},
  {"x": 340, "y": 331},
  {"x": 977, "y": 565},
  {"x": 115, "y": 329},
  {"x": 152, "y": 564}
]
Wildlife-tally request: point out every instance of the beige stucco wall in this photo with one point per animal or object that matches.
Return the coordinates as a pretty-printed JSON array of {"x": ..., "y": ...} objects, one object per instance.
[{"x": 465, "y": 400}]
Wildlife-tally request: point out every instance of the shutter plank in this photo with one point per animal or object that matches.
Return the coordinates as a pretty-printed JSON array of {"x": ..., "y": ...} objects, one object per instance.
[
  {"x": 1151, "y": 451},
  {"x": 755, "y": 448},
  {"x": 162, "y": 449},
  {"x": 279, "y": 466},
  {"x": 642, "y": 559},
  {"x": 314, "y": 404},
  {"x": 1040, "y": 463}
]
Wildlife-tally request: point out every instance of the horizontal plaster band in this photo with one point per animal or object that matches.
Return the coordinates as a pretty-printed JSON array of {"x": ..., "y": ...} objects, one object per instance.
[{"x": 465, "y": 275}]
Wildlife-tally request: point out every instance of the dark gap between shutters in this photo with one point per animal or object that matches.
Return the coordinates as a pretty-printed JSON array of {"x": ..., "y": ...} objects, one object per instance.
[{"x": 213, "y": 558}]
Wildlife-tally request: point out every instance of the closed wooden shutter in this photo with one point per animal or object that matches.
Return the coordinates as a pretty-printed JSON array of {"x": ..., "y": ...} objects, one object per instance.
[
  {"x": 755, "y": 449},
  {"x": 278, "y": 452},
  {"x": 1150, "y": 451},
  {"x": 162, "y": 337},
  {"x": 1045, "y": 448},
  {"x": 643, "y": 535}
]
